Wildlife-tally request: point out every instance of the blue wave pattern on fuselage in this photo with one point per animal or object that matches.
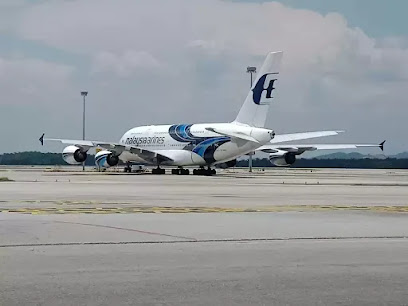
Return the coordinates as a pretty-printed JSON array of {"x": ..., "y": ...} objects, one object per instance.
[
  {"x": 203, "y": 146},
  {"x": 181, "y": 133},
  {"x": 206, "y": 149}
]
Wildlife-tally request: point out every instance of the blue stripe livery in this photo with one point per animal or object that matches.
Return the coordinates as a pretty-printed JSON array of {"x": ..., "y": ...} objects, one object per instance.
[{"x": 203, "y": 146}]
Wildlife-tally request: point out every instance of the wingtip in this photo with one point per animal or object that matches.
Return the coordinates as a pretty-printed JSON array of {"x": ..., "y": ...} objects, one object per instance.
[
  {"x": 41, "y": 139},
  {"x": 381, "y": 145}
]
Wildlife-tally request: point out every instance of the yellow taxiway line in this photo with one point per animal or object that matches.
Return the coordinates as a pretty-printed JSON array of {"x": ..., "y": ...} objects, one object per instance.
[{"x": 166, "y": 209}]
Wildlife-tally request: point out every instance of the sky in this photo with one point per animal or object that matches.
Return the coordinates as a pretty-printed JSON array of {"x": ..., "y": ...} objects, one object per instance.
[{"x": 345, "y": 66}]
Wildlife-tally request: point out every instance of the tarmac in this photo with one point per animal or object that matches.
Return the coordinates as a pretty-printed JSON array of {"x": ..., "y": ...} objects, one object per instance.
[{"x": 274, "y": 237}]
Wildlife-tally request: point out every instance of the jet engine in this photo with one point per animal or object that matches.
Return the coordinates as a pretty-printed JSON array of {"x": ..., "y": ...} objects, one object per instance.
[
  {"x": 284, "y": 160},
  {"x": 106, "y": 159},
  {"x": 74, "y": 155}
]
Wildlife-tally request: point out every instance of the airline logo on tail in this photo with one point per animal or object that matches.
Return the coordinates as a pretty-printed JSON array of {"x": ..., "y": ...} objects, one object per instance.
[{"x": 259, "y": 88}]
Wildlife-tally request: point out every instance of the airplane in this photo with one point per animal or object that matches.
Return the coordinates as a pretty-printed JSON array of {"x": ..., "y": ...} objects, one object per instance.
[{"x": 206, "y": 144}]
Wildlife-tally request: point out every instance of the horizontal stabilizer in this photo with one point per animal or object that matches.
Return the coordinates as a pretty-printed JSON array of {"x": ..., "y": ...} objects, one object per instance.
[
  {"x": 233, "y": 134},
  {"x": 305, "y": 135}
]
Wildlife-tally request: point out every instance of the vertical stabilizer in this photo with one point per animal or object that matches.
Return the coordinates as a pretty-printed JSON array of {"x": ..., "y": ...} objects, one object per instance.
[{"x": 256, "y": 105}]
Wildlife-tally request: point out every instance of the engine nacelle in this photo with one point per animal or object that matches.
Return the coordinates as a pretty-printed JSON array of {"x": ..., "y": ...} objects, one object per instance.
[
  {"x": 282, "y": 160},
  {"x": 106, "y": 159},
  {"x": 74, "y": 155}
]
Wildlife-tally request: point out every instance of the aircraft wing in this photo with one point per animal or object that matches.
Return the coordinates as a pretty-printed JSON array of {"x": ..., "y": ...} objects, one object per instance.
[
  {"x": 299, "y": 149},
  {"x": 301, "y": 136},
  {"x": 118, "y": 149}
]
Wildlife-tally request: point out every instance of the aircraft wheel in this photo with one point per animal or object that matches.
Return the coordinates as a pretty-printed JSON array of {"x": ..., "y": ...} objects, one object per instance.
[
  {"x": 198, "y": 171},
  {"x": 185, "y": 172},
  {"x": 175, "y": 171},
  {"x": 158, "y": 171}
]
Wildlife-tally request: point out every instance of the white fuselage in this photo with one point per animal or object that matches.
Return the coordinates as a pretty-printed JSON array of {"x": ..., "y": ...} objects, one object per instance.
[{"x": 193, "y": 144}]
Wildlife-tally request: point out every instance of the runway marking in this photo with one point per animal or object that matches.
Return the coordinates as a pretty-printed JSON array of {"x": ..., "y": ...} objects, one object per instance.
[
  {"x": 201, "y": 241},
  {"x": 128, "y": 229},
  {"x": 176, "y": 210}
]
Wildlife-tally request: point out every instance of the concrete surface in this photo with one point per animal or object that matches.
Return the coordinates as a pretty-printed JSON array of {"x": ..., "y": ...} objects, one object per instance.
[
  {"x": 332, "y": 258},
  {"x": 350, "y": 272},
  {"x": 281, "y": 256},
  {"x": 228, "y": 189},
  {"x": 16, "y": 229}
]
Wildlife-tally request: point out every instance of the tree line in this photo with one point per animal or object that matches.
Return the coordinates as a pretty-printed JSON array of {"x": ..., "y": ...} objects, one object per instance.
[
  {"x": 364, "y": 163},
  {"x": 36, "y": 159},
  {"x": 46, "y": 159}
]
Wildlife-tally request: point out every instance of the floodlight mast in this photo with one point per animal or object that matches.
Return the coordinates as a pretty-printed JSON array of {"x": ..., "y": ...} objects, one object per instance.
[
  {"x": 84, "y": 94},
  {"x": 250, "y": 70}
]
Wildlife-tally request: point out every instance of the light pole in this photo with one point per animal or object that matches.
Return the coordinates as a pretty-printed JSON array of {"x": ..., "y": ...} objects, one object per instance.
[
  {"x": 83, "y": 94},
  {"x": 250, "y": 70}
]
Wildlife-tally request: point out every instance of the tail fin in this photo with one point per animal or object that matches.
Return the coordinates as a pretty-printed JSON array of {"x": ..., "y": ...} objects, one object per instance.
[{"x": 256, "y": 105}]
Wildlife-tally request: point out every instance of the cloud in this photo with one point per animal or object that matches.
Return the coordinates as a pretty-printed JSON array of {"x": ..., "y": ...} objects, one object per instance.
[
  {"x": 5, "y": 4},
  {"x": 36, "y": 96},
  {"x": 166, "y": 28},
  {"x": 185, "y": 61},
  {"x": 126, "y": 64},
  {"x": 27, "y": 81}
]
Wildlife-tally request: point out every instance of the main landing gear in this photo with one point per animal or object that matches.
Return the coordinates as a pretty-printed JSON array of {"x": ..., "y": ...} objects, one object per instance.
[
  {"x": 158, "y": 170},
  {"x": 180, "y": 171},
  {"x": 202, "y": 171}
]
